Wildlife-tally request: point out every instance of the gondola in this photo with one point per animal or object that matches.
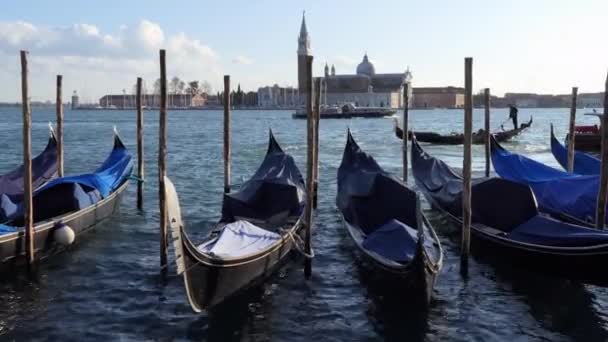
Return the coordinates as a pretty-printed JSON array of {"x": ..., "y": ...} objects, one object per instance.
[
  {"x": 44, "y": 168},
  {"x": 457, "y": 138},
  {"x": 65, "y": 208},
  {"x": 568, "y": 197},
  {"x": 506, "y": 223},
  {"x": 588, "y": 137},
  {"x": 384, "y": 219},
  {"x": 584, "y": 164},
  {"x": 260, "y": 225}
]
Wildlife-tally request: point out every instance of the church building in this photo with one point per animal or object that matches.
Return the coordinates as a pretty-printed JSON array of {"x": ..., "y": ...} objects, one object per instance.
[{"x": 365, "y": 88}]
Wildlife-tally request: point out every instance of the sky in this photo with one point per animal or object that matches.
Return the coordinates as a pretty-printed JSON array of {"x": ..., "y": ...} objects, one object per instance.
[{"x": 543, "y": 46}]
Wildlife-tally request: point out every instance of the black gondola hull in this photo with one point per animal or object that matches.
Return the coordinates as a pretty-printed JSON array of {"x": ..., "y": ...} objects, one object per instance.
[
  {"x": 210, "y": 282},
  {"x": 478, "y": 138},
  {"x": 417, "y": 279},
  {"x": 12, "y": 246}
]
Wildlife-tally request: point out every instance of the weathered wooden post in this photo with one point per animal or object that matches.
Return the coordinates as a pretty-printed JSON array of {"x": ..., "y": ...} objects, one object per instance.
[
  {"x": 600, "y": 217},
  {"x": 309, "y": 166},
  {"x": 571, "y": 136},
  {"x": 226, "y": 133},
  {"x": 140, "y": 145},
  {"x": 466, "y": 167},
  {"x": 406, "y": 118},
  {"x": 59, "y": 111},
  {"x": 315, "y": 169},
  {"x": 28, "y": 222},
  {"x": 486, "y": 101},
  {"x": 162, "y": 154}
]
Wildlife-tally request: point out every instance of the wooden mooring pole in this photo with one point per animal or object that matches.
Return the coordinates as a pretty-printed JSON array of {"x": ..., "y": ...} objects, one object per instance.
[
  {"x": 310, "y": 126},
  {"x": 28, "y": 223},
  {"x": 406, "y": 118},
  {"x": 486, "y": 102},
  {"x": 140, "y": 144},
  {"x": 226, "y": 133},
  {"x": 162, "y": 154},
  {"x": 315, "y": 169},
  {"x": 571, "y": 136},
  {"x": 466, "y": 167},
  {"x": 59, "y": 111},
  {"x": 600, "y": 216}
]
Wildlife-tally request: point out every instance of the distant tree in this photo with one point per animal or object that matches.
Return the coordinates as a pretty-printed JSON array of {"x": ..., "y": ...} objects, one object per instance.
[
  {"x": 193, "y": 88},
  {"x": 181, "y": 87},
  {"x": 156, "y": 87},
  {"x": 174, "y": 84},
  {"x": 206, "y": 87}
]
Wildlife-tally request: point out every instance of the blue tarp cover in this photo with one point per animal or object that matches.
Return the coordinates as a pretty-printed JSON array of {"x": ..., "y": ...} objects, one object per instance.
[
  {"x": 377, "y": 203},
  {"x": 394, "y": 241},
  {"x": 67, "y": 194},
  {"x": 584, "y": 164},
  {"x": 276, "y": 188},
  {"x": 547, "y": 231},
  {"x": 557, "y": 192},
  {"x": 44, "y": 167}
]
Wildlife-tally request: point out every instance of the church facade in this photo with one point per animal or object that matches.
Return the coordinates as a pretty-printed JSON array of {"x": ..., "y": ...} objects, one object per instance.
[{"x": 365, "y": 88}]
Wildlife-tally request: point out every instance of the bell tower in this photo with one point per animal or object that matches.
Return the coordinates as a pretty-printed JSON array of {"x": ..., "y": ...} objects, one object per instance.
[{"x": 303, "y": 52}]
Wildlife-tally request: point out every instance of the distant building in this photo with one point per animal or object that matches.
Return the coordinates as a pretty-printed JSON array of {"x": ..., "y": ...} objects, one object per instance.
[
  {"x": 364, "y": 88},
  {"x": 75, "y": 100},
  {"x": 438, "y": 97},
  {"x": 148, "y": 100},
  {"x": 590, "y": 100},
  {"x": 275, "y": 96}
]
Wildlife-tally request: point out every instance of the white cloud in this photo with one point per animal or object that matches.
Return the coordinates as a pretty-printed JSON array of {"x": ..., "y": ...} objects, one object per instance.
[
  {"x": 242, "y": 60},
  {"x": 101, "y": 61}
]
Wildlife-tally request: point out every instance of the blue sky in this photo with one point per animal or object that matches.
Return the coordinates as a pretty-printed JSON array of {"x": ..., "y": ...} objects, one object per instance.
[{"x": 102, "y": 46}]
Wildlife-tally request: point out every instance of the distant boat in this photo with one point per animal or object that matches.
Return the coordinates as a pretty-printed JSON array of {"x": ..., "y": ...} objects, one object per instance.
[
  {"x": 458, "y": 138},
  {"x": 588, "y": 137},
  {"x": 348, "y": 111}
]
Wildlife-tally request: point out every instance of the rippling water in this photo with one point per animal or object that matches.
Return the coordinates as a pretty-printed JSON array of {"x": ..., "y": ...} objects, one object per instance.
[{"x": 108, "y": 287}]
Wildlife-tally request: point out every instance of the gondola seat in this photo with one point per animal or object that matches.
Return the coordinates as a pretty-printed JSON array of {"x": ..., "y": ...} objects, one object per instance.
[
  {"x": 393, "y": 240},
  {"x": 238, "y": 239}
]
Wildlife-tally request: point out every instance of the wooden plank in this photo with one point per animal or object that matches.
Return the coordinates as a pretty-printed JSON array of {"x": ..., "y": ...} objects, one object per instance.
[
  {"x": 486, "y": 100},
  {"x": 226, "y": 133},
  {"x": 162, "y": 154},
  {"x": 406, "y": 119},
  {"x": 140, "y": 144},
  {"x": 600, "y": 217},
  {"x": 309, "y": 167},
  {"x": 28, "y": 223},
  {"x": 466, "y": 167},
  {"x": 59, "y": 112},
  {"x": 572, "y": 136}
]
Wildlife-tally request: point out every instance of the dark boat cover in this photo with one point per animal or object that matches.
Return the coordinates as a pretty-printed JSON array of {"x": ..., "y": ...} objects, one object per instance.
[
  {"x": 498, "y": 203},
  {"x": 44, "y": 168},
  {"x": 584, "y": 164},
  {"x": 67, "y": 194},
  {"x": 276, "y": 188},
  {"x": 558, "y": 192},
  {"x": 378, "y": 204}
]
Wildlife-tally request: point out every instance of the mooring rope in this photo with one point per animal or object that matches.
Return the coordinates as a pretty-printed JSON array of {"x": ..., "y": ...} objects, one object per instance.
[{"x": 298, "y": 242}]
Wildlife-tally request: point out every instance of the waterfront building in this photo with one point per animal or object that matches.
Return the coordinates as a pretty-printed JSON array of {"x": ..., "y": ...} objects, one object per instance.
[
  {"x": 149, "y": 100},
  {"x": 438, "y": 97},
  {"x": 364, "y": 88},
  {"x": 75, "y": 100},
  {"x": 276, "y": 96}
]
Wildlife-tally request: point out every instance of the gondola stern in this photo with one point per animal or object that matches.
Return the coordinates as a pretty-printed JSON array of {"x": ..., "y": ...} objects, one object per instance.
[
  {"x": 273, "y": 145},
  {"x": 118, "y": 144}
]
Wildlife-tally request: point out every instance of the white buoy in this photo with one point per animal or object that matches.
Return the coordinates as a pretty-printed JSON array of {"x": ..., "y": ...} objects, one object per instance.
[{"x": 64, "y": 235}]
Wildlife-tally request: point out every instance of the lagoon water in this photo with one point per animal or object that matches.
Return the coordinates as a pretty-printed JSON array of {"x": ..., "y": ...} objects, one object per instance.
[{"x": 108, "y": 287}]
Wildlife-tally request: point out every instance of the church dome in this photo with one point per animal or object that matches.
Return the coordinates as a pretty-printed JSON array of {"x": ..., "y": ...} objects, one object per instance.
[{"x": 366, "y": 67}]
